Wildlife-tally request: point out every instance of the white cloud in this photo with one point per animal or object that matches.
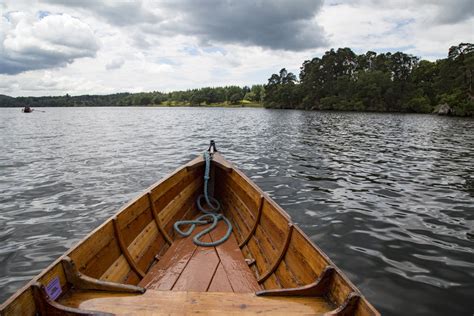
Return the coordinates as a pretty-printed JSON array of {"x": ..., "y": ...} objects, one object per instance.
[
  {"x": 30, "y": 42},
  {"x": 417, "y": 27},
  {"x": 117, "y": 46}
]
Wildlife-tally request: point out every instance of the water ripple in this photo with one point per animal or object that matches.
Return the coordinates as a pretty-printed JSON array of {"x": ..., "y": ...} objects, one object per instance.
[{"x": 388, "y": 197}]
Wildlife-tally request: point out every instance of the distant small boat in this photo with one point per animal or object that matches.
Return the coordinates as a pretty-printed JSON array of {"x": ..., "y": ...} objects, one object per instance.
[
  {"x": 27, "y": 109},
  {"x": 136, "y": 263}
]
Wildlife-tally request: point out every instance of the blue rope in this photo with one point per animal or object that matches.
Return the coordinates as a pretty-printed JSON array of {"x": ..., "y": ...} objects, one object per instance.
[{"x": 209, "y": 216}]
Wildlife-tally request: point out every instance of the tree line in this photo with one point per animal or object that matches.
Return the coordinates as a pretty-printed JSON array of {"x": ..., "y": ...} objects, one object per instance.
[
  {"x": 398, "y": 82},
  {"x": 339, "y": 80},
  {"x": 231, "y": 95}
]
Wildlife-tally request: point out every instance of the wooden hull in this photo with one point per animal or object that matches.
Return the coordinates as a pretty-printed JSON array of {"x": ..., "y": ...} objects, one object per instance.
[{"x": 134, "y": 263}]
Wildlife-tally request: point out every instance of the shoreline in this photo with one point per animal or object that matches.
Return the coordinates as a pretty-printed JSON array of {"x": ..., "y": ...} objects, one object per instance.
[{"x": 236, "y": 106}]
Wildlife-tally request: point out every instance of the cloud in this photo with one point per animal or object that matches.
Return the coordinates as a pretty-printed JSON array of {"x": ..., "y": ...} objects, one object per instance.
[
  {"x": 272, "y": 24},
  {"x": 434, "y": 11},
  {"x": 454, "y": 11},
  {"x": 30, "y": 42},
  {"x": 121, "y": 13},
  {"x": 115, "y": 63},
  {"x": 168, "y": 45},
  {"x": 426, "y": 28}
]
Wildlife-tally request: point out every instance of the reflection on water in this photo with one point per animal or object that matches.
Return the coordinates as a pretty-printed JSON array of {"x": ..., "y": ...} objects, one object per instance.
[{"x": 390, "y": 198}]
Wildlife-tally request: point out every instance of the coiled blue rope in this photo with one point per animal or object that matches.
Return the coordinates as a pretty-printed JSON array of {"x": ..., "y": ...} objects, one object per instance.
[{"x": 209, "y": 216}]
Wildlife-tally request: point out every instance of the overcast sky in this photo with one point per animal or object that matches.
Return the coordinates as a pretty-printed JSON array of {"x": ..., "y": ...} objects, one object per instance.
[{"x": 54, "y": 47}]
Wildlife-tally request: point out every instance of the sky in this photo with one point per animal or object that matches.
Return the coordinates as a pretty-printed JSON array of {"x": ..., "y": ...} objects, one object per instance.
[{"x": 58, "y": 47}]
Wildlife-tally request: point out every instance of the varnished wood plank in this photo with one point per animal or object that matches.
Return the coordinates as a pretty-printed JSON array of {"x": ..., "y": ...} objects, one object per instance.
[
  {"x": 256, "y": 223},
  {"x": 88, "y": 253},
  {"x": 199, "y": 303},
  {"x": 164, "y": 274},
  {"x": 188, "y": 210},
  {"x": 240, "y": 225},
  {"x": 280, "y": 256},
  {"x": 239, "y": 274},
  {"x": 348, "y": 306},
  {"x": 260, "y": 248},
  {"x": 339, "y": 289},
  {"x": 255, "y": 249},
  {"x": 198, "y": 273},
  {"x": 135, "y": 227},
  {"x": 83, "y": 282},
  {"x": 146, "y": 245},
  {"x": 181, "y": 178},
  {"x": 168, "y": 212},
  {"x": 118, "y": 271},
  {"x": 273, "y": 223},
  {"x": 318, "y": 288},
  {"x": 246, "y": 190},
  {"x": 124, "y": 249},
  {"x": 47, "y": 306},
  {"x": 220, "y": 282},
  {"x": 305, "y": 262},
  {"x": 249, "y": 200},
  {"x": 132, "y": 212},
  {"x": 157, "y": 220}
]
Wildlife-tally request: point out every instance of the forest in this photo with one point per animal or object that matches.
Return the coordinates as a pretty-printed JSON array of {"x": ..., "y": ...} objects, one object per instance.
[
  {"x": 398, "y": 82},
  {"x": 339, "y": 80},
  {"x": 229, "y": 95}
]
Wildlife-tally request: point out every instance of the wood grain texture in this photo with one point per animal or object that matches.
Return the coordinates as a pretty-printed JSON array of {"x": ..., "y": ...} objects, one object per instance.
[
  {"x": 124, "y": 249},
  {"x": 97, "y": 252},
  {"x": 198, "y": 303},
  {"x": 47, "y": 306},
  {"x": 280, "y": 256},
  {"x": 84, "y": 282},
  {"x": 163, "y": 275},
  {"x": 157, "y": 220},
  {"x": 198, "y": 273},
  {"x": 255, "y": 224},
  {"x": 233, "y": 262},
  {"x": 220, "y": 282},
  {"x": 318, "y": 288}
]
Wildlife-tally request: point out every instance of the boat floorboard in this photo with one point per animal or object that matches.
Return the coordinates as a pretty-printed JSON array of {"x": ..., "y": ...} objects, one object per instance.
[
  {"x": 187, "y": 267},
  {"x": 190, "y": 303}
]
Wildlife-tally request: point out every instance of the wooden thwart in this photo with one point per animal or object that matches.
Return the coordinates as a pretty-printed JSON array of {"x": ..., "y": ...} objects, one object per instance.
[
  {"x": 124, "y": 249},
  {"x": 200, "y": 303}
]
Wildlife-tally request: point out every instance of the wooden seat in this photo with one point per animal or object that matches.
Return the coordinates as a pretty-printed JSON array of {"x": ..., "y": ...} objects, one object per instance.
[
  {"x": 187, "y": 267},
  {"x": 191, "y": 303}
]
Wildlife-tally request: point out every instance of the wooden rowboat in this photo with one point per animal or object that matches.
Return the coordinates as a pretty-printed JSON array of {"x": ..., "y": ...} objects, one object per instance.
[{"x": 135, "y": 263}]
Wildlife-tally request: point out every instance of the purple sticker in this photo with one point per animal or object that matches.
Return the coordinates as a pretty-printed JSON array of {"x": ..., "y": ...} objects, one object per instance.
[{"x": 54, "y": 288}]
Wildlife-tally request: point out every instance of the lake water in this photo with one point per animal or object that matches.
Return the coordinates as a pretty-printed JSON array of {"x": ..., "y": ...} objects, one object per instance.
[{"x": 389, "y": 197}]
